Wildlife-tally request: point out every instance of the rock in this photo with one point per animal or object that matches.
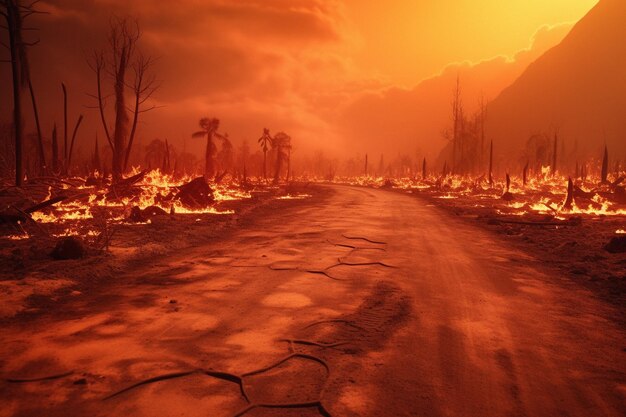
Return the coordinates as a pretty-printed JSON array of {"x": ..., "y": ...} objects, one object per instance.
[
  {"x": 195, "y": 194},
  {"x": 69, "y": 247},
  {"x": 154, "y": 211},
  {"x": 172, "y": 301},
  {"x": 616, "y": 245},
  {"x": 137, "y": 215}
]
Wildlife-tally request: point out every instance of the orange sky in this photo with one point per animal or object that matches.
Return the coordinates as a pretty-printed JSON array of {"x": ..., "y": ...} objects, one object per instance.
[
  {"x": 412, "y": 39},
  {"x": 288, "y": 65}
]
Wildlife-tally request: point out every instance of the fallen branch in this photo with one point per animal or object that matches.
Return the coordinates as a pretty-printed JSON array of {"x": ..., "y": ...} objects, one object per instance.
[{"x": 45, "y": 204}]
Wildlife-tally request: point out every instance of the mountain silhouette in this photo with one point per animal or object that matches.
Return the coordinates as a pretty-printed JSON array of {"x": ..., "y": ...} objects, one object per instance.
[{"x": 577, "y": 90}]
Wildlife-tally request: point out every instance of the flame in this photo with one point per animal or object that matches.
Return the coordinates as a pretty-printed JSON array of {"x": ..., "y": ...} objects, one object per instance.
[
  {"x": 154, "y": 187},
  {"x": 295, "y": 197},
  {"x": 541, "y": 194},
  {"x": 17, "y": 237}
]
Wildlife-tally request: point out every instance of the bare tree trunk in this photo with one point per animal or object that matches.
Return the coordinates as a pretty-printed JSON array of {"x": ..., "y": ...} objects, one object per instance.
[
  {"x": 456, "y": 111},
  {"x": 482, "y": 133},
  {"x": 554, "y": 155},
  {"x": 121, "y": 116},
  {"x": 424, "y": 169},
  {"x": 64, "y": 126},
  {"x": 525, "y": 174},
  {"x": 265, "y": 164},
  {"x": 569, "y": 200},
  {"x": 209, "y": 166},
  {"x": 491, "y": 164},
  {"x": 13, "y": 17},
  {"x": 55, "y": 151},
  {"x": 605, "y": 166},
  {"x": 69, "y": 158},
  {"x": 98, "y": 66},
  {"x": 132, "y": 131},
  {"x": 42, "y": 154}
]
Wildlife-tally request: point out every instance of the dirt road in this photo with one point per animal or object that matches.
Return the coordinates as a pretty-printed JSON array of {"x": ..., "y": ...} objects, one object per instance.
[{"x": 368, "y": 303}]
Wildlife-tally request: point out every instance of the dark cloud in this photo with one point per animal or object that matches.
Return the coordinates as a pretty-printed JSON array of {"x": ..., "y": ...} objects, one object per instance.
[{"x": 252, "y": 63}]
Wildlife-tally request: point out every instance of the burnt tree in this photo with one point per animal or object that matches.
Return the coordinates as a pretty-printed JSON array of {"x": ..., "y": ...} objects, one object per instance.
[
  {"x": 117, "y": 62},
  {"x": 208, "y": 128},
  {"x": 14, "y": 13}
]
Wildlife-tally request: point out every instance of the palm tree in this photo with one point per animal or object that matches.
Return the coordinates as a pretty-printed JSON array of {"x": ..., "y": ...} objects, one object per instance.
[
  {"x": 225, "y": 155},
  {"x": 264, "y": 141},
  {"x": 282, "y": 144},
  {"x": 209, "y": 128}
]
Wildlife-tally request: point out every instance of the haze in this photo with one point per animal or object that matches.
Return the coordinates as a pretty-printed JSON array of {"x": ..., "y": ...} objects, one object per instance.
[{"x": 299, "y": 66}]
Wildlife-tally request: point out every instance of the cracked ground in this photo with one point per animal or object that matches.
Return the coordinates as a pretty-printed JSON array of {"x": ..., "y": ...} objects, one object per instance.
[{"x": 368, "y": 303}]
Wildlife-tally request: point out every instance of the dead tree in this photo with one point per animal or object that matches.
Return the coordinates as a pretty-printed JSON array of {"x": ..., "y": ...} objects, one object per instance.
[
  {"x": 14, "y": 13},
  {"x": 605, "y": 166},
  {"x": 482, "y": 132},
  {"x": 554, "y": 154},
  {"x": 491, "y": 164},
  {"x": 144, "y": 87},
  {"x": 122, "y": 56},
  {"x": 33, "y": 99},
  {"x": 457, "y": 110},
  {"x": 569, "y": 199},
  {"x": 69, "y": 156},
  {"x": 525, "y": 174},
  {"x": 64, "y": 126},
  {"x": 68, "y": 147}
]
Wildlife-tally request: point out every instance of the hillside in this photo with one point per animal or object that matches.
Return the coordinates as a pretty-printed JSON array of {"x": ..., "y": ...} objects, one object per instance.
[{"x": 577, "y": 88}]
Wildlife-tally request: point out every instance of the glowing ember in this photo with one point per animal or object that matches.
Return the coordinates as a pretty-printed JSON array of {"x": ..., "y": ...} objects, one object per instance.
[
  {"x": 16, "y": 237},
  {"x": 295, "y": 197},
  {"x": 154, "y": 187},
  {"x": 543, "y": 194}
]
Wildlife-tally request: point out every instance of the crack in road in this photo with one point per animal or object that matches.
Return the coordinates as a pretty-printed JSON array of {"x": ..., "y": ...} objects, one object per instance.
[{"x": 363, "y": 326}]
